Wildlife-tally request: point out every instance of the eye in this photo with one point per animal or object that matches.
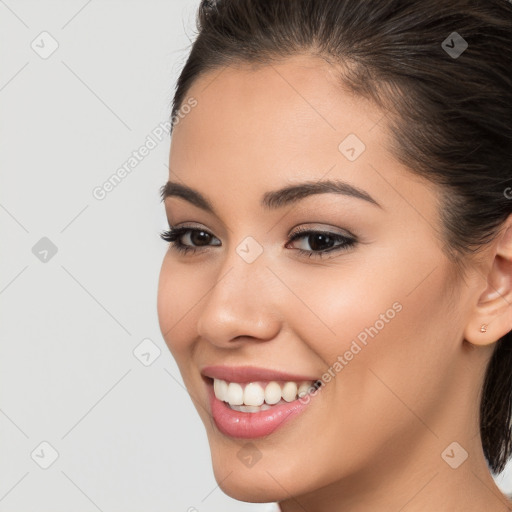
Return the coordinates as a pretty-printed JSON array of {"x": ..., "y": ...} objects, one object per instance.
[
  {"x": 174, "y": 235},
  {"x": 321, "y": 242}
]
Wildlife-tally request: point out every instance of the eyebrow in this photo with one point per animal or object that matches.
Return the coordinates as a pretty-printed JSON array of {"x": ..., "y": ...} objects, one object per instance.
[{"x": 274, "y": 199}]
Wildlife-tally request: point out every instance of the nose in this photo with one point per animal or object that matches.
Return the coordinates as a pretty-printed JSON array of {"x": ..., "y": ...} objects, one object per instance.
[{"x": 241, "y": 305}]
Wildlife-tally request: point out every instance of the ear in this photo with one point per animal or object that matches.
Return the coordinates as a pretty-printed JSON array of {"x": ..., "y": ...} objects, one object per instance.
[{"x": 492, "y": 315}]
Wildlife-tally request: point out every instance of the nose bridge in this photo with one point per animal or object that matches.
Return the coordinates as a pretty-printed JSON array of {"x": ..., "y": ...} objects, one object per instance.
[{"x": 240, "y": 300}]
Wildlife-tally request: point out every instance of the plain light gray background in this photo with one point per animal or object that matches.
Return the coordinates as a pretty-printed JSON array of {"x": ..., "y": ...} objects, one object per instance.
[{"x": 125, "y": 433}]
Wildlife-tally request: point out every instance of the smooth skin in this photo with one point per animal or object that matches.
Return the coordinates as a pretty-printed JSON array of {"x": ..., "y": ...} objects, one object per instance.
[{"x": 373, "y": 437}]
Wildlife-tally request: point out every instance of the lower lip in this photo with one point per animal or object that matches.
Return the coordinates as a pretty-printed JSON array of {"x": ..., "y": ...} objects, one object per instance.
[{"x": 250, "y": 425}]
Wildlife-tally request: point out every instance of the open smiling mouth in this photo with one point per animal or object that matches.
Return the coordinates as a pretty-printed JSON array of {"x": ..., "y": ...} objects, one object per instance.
[{"x": 256, "y": 408}]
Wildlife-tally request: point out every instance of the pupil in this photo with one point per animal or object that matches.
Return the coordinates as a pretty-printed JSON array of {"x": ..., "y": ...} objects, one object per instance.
[
  {"x": 321, "y": 237},
  {"x": 196, "y": 237}
]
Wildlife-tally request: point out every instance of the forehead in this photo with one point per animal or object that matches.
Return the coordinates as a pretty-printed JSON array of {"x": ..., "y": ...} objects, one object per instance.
[
  {"x": 256, "y": 128},
  {"x": 299, "y": 96}
]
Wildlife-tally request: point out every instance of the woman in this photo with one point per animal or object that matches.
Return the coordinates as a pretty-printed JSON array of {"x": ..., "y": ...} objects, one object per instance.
[{"x": 337, "y": 291}]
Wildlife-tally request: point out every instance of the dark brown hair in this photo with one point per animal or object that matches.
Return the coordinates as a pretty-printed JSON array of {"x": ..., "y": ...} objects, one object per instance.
[{"x": 449, "y": 110}]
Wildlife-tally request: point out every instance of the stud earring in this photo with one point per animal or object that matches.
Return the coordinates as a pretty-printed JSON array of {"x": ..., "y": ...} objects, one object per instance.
[{"x": 483, "y": 328}]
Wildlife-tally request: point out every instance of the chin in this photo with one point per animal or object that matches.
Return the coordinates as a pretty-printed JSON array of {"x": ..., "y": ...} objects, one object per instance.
[
  {"x": 253, "y": 485},
  {"x": 266, "y": 477}
]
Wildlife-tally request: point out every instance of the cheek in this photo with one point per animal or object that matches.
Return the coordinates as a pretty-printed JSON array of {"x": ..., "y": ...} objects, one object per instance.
[
  {"x": 178, "y": 293},
  {"x": 341, "y": 309},
  {"x": 398, "y": 342}
]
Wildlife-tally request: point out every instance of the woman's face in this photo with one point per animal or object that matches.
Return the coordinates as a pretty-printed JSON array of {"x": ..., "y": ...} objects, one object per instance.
[{"x": 374, "y": 318}]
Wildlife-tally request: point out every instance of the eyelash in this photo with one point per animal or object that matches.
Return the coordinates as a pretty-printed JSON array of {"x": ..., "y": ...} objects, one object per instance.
[{"x": 173, "y": 236}]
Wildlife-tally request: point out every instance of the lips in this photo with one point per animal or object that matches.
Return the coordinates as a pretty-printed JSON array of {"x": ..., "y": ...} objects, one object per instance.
[
  {"x": 252, "y": 374},
  {"x": 237, "y": 418}
]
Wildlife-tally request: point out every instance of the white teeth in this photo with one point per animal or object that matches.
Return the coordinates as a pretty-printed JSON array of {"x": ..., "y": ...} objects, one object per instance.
[
  {"x": 221, "y": 389},
  {"x": 289, "y": 391},
  {"x": 303, "y": 389},
  {"x": 272, "y": 393},
  {"x": 250, "y": 408},
  {"x": 254, "y": 394},
  {"x": 255, "y": 397},
  {"x": 235, "y": 394}
]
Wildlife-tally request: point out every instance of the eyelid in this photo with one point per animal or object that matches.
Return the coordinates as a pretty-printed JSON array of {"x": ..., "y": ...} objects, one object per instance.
[
  {"x": 321, "y": 228},
  {"x": 196, "y": 225}
]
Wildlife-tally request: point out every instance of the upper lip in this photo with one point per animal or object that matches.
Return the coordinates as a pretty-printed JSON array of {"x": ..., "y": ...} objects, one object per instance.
[{"x": 251, "y": 374}]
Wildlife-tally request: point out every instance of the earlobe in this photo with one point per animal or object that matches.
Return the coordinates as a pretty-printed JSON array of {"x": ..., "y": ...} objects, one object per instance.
[{"x": 492, "y": 316}]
